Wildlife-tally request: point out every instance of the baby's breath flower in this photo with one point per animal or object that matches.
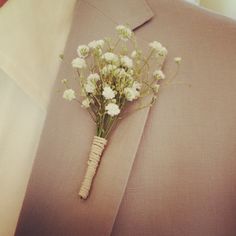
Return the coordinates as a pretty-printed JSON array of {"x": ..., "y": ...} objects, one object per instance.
[
  {"x": 159, "y": 49},
  {"x": 130, "y": 93},
  {"x": 69, "y": 94},
  {"x": 86, "y": 103},
  {"x": 90, "y": 87},
  {"x": 178, "y": 60},
  {"x": 158, "y": 74},
  {"x": 83, "y": 51},
  {"x": 112, "y": 109},
  {"x": 79, "y": 63},
  {"x": 110, "y": 57},
  {"x": 137, "y": 85},
  {"x": 133, "y": 92},
  {"x": 93, "y": 78},
  {"x": 124, "y": 32},
  {"x": 96, "y": 44},
  {"x": 108, "y": 93},
  {"x": 100, "y": 43},
  {"x": 163, "y": 52},
  {"x": 126, "y": 61},
  {"x": 108, "y": 69},
  {"x": 134, "y": 54},
  {"x": 120, "y": 73},
  {"x": 156, "y": 87},
  {"x": 155, "y": 45}
]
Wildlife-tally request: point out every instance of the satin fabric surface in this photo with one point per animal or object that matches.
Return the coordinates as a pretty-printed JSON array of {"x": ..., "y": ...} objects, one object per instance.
[{"x": 169, "y": 171}]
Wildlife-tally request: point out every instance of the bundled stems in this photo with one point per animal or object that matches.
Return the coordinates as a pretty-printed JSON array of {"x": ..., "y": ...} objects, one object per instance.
[{"x": 97, "y": 148}]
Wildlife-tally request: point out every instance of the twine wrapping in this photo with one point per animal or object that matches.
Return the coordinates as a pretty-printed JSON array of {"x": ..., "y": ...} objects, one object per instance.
[{"x": 97, "y": 148}]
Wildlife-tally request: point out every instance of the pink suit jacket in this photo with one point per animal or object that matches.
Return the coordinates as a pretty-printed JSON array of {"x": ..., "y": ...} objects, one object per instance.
[{"x": 168, "y": 171}]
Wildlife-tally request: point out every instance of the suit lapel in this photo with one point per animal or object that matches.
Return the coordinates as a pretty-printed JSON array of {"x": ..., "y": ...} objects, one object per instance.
[
  {"x": 132, "y": 12},
  {"x": 51, "y": 205}
]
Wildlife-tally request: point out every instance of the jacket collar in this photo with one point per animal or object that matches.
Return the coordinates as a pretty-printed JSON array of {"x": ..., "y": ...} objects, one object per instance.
[{"x": 132, "y": 12}]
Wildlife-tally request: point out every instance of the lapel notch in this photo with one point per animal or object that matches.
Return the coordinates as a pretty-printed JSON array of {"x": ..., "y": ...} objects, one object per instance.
[{"x": 132, "y": 12}]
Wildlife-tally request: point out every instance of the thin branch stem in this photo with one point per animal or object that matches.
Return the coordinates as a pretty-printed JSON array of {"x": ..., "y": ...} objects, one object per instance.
[{"x": 91, "y": 115}]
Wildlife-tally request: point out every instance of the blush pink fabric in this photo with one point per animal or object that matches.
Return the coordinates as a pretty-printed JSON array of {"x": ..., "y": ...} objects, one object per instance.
[{"x": 175, "y": 165}]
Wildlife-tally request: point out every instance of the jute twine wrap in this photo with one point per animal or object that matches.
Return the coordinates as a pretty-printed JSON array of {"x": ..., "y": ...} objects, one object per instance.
[{"x": 97, "y": 148}]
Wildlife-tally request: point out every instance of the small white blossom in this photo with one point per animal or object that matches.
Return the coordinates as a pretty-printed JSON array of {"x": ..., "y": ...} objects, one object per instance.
[
  {"x": 134, "y": 54},
  {"x": 108, "y": 93},
  {"x": 158, "y": 74},
  {"x": 108, "y": 69},
  {"x": 90, "y": 87},
  {"x": 130, "y": 94},
  {"x": 110, "y": 57},
  {"x": 156, "y": 87},
  {"x": 100, "y": 43},
  {"x": 155, "y": 45},
  {"x": 79, "y": 63},
  {"x": 126, "y": 61},
  {"x": 160, "y": 50},
  {"x": 163, "y": 52},
  {"x": 112, "y": 109},
  {"x": 83, "y": 51},
  {"x": 69, "y": 94},
  {"x": 178, "y": 60},
  {"x": 124, "y": 32},
  {"x": 93, "y": 78},
  {"x": 93, "y": 44},
  {"x": 137, "y": 85},
  {"x": 86, "y": 103},
  {"x": 120, "y": 73},
  {"x": 96, "y": 44}
]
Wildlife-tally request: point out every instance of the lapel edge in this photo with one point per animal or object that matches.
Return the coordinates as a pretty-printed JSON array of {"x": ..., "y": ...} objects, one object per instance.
[{"x": 141, "y": 11}]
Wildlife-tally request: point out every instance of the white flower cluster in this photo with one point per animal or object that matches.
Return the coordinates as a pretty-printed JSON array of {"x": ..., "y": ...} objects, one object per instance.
[
  {"x": 158, "y": 48},
  {"x": 178, "y": 60},
  {"x": 158, "y": 74},
  {"x": 108, "y": 70},
  {"x": 124, "y": 32},
  {"x": 112, "y": 109},
  {"x": 90, "y": 85},
  {"x": 96, "y": 44},
  {"x": 69, "y": 94},
  {"x": 110, "y": 57},
  {"x": 79, "y": 63},
  {"x": 132, "y": 93},
  {"x": 83, "y": 51},
  {"x": 110, "y": 76},
  {"x": 108, "y": 93},
  {"x": 126, "y": 62}
]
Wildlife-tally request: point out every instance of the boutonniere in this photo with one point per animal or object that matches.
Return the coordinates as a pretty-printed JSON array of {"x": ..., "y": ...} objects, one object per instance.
[{"x": 112, "y": 76}]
